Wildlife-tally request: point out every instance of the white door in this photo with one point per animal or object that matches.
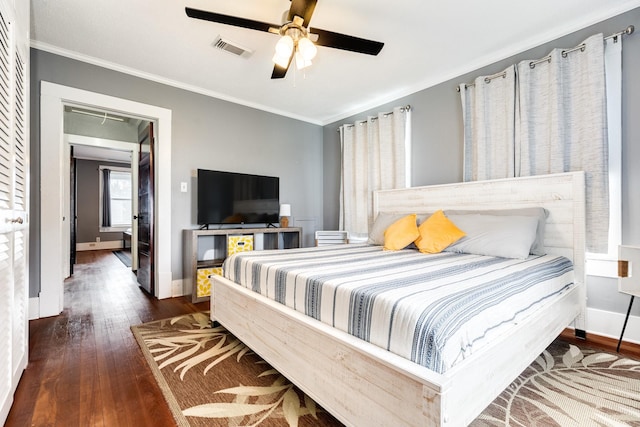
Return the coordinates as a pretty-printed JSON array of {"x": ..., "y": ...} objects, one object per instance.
[{"x": 14, "y": 227}]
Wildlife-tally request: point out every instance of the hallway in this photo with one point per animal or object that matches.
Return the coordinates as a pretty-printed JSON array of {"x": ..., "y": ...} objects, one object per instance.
[{"x": 85, "y": 367}]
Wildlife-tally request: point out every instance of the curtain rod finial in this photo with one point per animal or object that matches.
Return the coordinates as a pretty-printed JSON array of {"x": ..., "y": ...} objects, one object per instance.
[{"x": 630, "y": 29}]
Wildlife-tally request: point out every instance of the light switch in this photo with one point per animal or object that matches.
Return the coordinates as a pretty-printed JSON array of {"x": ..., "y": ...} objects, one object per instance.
[{"x": 183, "y": 187}]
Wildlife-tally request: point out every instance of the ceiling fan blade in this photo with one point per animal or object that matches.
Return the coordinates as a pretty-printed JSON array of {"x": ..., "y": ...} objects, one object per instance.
[
  {"x": 345, "y": 42},
  {"x": 278, "y": 71},
  {"x": 229, "y": 20},
  {"x": 302, "y": 8}
]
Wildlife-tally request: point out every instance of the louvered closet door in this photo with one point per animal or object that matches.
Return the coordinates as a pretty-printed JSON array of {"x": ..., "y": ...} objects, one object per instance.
[
  {"x": 21, "y": 227},
  {"x": 6, "y": 214},
  {"x": 14, "y": 171}
]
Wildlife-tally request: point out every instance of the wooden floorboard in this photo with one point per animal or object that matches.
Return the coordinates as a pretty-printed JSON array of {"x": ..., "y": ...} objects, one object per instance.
[
  {"x": 85, "y": 367},
  {"x": 604, "y": 343}
]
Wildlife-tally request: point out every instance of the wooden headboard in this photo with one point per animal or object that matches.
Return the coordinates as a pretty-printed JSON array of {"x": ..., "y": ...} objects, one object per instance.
[{"x": 562, "y": 195}]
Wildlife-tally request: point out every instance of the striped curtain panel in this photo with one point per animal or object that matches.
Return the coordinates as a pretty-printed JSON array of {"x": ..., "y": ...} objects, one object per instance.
[
  {"x": 375, "y": 155},
  {"x": 488, "y": 108},
  {"x": 561, "y": 125}
]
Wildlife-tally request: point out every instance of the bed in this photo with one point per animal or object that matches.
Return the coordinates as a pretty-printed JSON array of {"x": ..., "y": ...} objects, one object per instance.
[{"x": 363, "y": 384}]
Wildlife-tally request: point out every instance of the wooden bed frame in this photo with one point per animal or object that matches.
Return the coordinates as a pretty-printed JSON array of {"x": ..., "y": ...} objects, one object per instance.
[{"x": 364, "y": 385}]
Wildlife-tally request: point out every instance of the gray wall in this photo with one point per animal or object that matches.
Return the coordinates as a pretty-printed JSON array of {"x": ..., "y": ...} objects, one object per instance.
[
  {"x": 88, "y": 201},
  {"x": 437, "y": 139},
  {"x": 206, "y": 133}
]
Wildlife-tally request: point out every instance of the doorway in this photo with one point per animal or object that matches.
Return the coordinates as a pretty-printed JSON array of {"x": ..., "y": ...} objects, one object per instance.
[
  {"x": 54, "y": 225},
  {"x": 90, "y": 159},
  {"x": 105, "y": 152}
]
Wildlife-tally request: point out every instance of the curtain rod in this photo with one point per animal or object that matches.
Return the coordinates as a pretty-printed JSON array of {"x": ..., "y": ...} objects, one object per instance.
[
  {"x": 627, "y": 31},
  {"x": 402, "y": 109}
]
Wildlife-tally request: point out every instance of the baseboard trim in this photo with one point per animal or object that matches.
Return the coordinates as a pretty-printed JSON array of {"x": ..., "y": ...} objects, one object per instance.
[
  {"x": 34, "y": 308},
  {"x": 177, "y": 288},
  {"x": 609, "y": 324},
  {"x": 94, "y": 246}
]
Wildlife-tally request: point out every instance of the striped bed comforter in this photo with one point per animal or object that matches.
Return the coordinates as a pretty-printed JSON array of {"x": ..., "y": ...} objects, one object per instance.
[{"x": 435, "y": 310}]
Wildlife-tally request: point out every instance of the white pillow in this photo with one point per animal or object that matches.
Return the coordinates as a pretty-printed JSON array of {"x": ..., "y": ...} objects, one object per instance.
[
  {"x": 537, "y": 248},
  {"x": 384, "y": 220},
  {"x": 495, "y": 235}
]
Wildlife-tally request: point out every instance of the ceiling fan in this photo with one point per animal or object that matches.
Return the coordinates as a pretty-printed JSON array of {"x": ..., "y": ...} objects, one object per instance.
[{"x": 298, "y": 41}]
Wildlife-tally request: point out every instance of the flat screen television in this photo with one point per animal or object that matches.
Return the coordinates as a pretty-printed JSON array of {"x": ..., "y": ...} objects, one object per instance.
[{"x": 237, "y": 198}]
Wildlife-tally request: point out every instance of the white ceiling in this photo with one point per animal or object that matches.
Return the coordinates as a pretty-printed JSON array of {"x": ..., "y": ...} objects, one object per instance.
[{"x": 426, "y": 42}]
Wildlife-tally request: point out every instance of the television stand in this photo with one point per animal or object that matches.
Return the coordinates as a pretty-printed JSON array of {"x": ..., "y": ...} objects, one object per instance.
[{"x": 206, "y": 249}]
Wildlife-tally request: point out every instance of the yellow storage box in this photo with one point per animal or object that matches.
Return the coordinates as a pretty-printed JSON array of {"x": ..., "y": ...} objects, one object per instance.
[
  {"x": 204, "y": 280},
  {"x": 239, "y": 244}
]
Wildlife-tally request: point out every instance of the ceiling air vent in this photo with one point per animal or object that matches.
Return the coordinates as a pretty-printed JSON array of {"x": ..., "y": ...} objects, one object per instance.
[{"x": 231, "y": 47}]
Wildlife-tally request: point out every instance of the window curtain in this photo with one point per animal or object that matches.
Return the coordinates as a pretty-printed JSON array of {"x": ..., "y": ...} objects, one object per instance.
[
  {"x": 374, "y": 157},
  {"x": 106, "y": 197},
  {"x": 560, "y": 124},
  {"x": 488, "y": 108}
]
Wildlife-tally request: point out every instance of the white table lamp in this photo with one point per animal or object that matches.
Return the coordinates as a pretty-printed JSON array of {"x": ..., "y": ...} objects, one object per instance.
[{"x": 285, "y": 213}]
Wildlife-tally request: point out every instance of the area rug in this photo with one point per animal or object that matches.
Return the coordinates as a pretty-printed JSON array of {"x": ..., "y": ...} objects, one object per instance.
[
  {"x": 209, "y": 377},
  {"x": 124, "y": 256},
  {"x": 570, "y": 386}
]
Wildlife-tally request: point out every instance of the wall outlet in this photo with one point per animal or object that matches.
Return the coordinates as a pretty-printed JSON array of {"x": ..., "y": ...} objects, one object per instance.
[
  {"x": 183, "y": 187},
  {"x": 98, "y": 239}
]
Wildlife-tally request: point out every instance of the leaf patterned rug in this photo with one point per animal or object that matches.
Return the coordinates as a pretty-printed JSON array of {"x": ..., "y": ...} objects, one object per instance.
[{"x": 209, "y": 377}]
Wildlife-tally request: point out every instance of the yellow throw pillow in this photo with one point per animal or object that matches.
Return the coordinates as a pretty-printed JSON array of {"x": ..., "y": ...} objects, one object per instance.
[
  {"x": 436, "y": 233},
  {"x": 401, "y": 233}
]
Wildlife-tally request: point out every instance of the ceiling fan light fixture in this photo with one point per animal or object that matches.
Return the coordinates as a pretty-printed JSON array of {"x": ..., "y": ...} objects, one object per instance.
[
  {"x": 285, "y": 46},
  {"x": 301, "y": 62},
  {"x": 284, "y": 49},
  {"x": 281, "y": 60},
  {"x": 307, "y": 49}
]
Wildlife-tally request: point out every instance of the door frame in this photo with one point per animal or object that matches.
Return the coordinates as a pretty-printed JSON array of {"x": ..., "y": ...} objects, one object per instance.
[{"x": 53, "y": 98}]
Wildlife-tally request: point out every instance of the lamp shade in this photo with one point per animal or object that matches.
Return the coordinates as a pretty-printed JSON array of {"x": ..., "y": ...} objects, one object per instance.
[
  {"x": 301, "y": 62},
  {"x": 307, "y": 49},
  {"x": 285, "y": 210},
  {"x": 284, "y": 47}
]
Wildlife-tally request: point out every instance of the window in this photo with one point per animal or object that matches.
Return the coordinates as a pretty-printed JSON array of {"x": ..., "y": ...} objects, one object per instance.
[{"x": 115, "y": 198}]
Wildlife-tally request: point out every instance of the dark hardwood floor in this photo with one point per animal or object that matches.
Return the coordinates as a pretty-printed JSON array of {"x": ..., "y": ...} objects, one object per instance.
[
  {"x": 604, "y": 343},
  {"x": 85, "y": 367}
]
